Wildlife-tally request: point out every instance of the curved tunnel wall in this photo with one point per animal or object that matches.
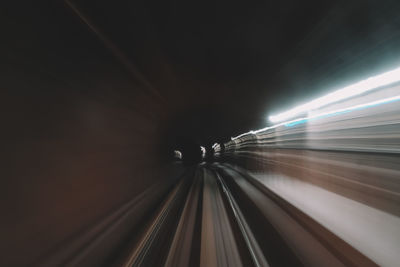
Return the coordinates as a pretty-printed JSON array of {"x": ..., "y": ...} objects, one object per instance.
[
  {"x": 86, "y": 138},
  {"x": 81, "y": 140}
]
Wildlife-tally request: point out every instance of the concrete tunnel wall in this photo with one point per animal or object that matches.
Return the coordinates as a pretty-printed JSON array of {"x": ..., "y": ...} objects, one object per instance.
[{"x": 83, "y": 162}]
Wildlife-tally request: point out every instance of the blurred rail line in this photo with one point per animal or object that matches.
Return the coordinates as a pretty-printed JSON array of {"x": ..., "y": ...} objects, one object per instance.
[{"x": 223, "y": 215}]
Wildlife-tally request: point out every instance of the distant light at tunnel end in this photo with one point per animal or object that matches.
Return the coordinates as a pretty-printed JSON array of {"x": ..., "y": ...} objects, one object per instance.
[{"x": 341, "y": 94}]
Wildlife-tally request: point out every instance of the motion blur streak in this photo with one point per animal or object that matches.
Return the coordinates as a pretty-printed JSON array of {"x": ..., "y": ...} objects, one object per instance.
[
  {"x": 341, "y": 111},
  {"x": 116, "y": 127},
  {"x": 339, "y": 166},
  {"x": 114, "y": 49},
  {"x": 347, "y": 92}
]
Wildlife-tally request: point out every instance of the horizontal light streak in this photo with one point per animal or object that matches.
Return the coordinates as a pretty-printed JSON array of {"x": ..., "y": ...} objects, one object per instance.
[
  {"x": 325, "y": 115},
  {"x": 341, "y": 94}
]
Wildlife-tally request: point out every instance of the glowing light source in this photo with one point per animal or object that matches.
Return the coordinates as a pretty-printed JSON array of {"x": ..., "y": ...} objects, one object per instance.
[
  {"x": 177, "y": 154},
  {"x": 342, "y": 111},
  {"x": 341, "y": 94},
  {"x": 324, "y": 115},
  {"x": 203, "y": 151}
]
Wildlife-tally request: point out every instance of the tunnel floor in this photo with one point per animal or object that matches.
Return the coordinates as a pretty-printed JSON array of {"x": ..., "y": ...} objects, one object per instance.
[{"x": 222, "y": 215}]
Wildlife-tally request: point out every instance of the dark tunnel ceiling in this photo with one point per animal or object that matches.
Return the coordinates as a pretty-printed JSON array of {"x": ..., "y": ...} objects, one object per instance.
[{"x": 222, "y": 66}]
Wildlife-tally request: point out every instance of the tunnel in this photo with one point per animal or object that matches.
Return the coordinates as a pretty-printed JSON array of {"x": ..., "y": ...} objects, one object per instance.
[{"x": 200, "y": 133}]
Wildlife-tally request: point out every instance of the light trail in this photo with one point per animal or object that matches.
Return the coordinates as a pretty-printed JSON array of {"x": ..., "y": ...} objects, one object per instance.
[{"x": 341, "y": 94}]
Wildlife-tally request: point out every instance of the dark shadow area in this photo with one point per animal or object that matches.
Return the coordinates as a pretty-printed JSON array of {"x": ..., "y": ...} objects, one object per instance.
[{"x": 96, "y": 95}]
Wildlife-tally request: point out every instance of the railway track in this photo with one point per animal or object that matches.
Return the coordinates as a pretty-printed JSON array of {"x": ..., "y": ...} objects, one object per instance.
[{"x": 218, "y": 215}]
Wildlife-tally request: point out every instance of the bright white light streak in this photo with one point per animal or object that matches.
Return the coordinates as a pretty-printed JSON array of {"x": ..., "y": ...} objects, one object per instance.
[
  {"x": 203, "y": 151},
  {"x": 325, "y": 114},
  {"x": 341, "y": 94},
  {"x": 343, "y": 110}
]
